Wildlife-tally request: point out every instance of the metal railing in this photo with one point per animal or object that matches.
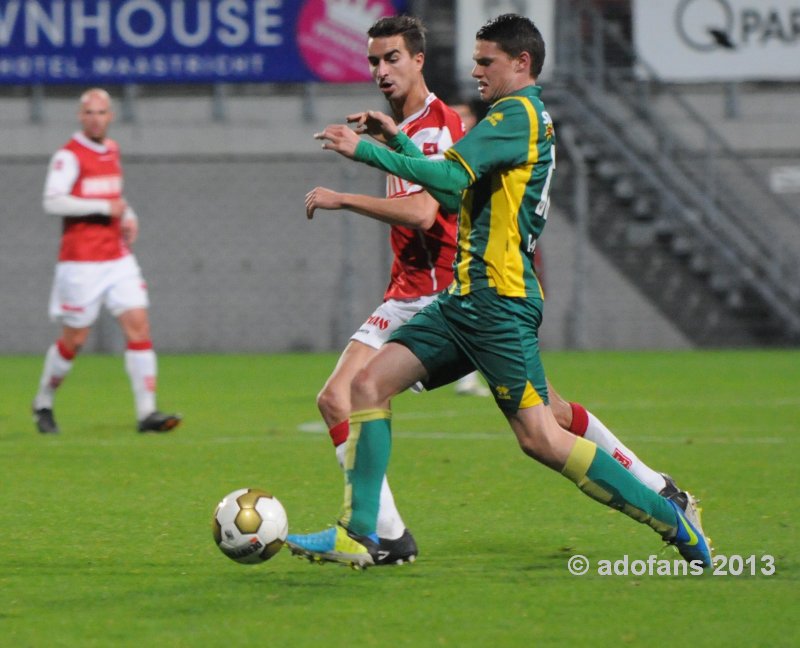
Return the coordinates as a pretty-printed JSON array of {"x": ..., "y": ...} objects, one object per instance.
[{"x": 699, "y": 182}]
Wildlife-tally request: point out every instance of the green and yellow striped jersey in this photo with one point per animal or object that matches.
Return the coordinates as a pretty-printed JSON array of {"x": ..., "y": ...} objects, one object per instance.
[{"x": 510, "y": 157}]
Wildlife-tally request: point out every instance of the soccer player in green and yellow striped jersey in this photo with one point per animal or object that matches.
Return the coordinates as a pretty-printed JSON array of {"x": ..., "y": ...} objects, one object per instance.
[
  {"x": 498, "y": 178},
  {"x": 503, "y": 212}
]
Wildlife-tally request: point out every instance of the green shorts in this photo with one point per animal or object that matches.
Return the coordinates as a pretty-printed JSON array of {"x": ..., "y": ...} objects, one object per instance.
[{"x": 496, "y": 335}]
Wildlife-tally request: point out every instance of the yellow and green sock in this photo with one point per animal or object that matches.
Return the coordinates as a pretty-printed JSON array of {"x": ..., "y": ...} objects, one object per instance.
[
  {"x": 366, "y": 459},
  {"x": 602, "y": 478}
]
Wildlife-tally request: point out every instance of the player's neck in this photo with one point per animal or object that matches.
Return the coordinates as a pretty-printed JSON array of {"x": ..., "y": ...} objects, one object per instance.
[
  {"x": 97, "y": 140},
  {"x": 412, "y": 103}
]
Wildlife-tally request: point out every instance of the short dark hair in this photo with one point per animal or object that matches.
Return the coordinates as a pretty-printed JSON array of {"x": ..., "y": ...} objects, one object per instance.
[
  {"x": 515, "y": 34},
  {"x": 409, "y": 27}
]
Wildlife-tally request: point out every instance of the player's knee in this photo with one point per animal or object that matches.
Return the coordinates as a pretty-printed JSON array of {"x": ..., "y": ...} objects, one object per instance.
[
  {"x": 364, "y": 391},
  {"x": 68, "y": 349},
  {"x": 541, "y": 445},
  {"x": 562, "y": 412},
  {"x": 529, "y": 447},
  {"x": 333, "y": 403},
  {"x": 71, "y": 342}
]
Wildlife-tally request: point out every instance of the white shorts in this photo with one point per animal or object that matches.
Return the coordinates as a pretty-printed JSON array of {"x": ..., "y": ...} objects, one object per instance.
[
  {"x": 387, "y": 318},
  {"x": 80, "y": 288}
]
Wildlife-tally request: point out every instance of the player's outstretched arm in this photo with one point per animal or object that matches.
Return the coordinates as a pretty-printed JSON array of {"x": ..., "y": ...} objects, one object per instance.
[
  {"x": 322, "y": 198},
  {"x": 442, "y": 178},
  {"x": 417, "y": 210},
  {"x": 403, "y": 144}
]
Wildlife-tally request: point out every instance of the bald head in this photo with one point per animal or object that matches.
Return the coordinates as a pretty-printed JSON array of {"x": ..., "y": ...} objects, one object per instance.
[
  {"x": 95, "y": 114},
  {"x": 99, "y": 93}
]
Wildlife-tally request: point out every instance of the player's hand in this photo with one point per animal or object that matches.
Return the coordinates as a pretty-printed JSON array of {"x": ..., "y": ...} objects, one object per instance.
[
  {"x": 322, "y": 198},
  {"x": 339, "y": 138},
  {"x": 374, "y": 123},
  {"x": 117, "y": 207},
  {"x": 130, "y": 230}
]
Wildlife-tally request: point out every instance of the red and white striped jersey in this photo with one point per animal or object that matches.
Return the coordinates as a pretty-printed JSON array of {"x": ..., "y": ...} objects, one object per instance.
[
  {"x": 423, "y": 260},
  {"x": 84, "y": 169}
]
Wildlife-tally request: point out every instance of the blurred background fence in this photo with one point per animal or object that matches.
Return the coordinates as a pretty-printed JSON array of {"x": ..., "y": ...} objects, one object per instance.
[{"x": 217, "y": 170}]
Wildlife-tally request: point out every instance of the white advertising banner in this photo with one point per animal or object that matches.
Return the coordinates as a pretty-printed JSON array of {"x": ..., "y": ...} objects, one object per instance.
[
  {"x": 472, "y": 14},
  {"x": 719, "y": 40}
]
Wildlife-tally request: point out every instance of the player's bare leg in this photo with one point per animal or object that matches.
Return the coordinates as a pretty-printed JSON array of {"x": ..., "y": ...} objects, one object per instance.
[
  {"x": 333, "y": 399},
  {"x": 57, "y": 365},
  {"x": 355, "y": 540},
  {"x": 141, "y": 365},
  {"x": 333, "y": 402},
  {"x": 603, "y": 479},
  {"x": 581, "y": 422}
]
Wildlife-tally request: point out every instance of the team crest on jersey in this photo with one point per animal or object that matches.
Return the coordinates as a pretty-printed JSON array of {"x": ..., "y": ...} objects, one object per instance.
[
  {"x": 495, "y": 118},
  {"x": 430, "y": 148}
]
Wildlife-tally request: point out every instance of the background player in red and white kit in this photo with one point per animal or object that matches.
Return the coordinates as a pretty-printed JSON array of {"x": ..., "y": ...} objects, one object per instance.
[
  {"x": 95, "y": 265},
  {"x": 422, "y": 236}
]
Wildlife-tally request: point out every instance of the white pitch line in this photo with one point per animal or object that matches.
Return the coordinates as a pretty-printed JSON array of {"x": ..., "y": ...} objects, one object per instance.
[
  {"x": 319, "y": 428},
  {"x": 698, "y": 404}
]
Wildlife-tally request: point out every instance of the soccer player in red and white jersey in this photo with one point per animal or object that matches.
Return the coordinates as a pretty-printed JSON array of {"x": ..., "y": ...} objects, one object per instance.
[
  {"x": 422, "y": 237},
  {"x": 95, "y": 266}
]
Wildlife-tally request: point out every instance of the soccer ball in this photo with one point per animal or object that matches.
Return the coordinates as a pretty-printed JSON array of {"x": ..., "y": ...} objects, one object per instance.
[{"x": 249, "y": 526}]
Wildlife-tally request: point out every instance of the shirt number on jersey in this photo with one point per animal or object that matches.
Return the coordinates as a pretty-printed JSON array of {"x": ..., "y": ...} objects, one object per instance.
[{"x": 544, "y": 202}]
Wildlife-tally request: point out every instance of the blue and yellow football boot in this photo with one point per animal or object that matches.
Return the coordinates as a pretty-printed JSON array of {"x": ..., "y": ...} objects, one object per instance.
[
  {"x": 689, "y": 539},
  {"x": 337, "y": 545}
]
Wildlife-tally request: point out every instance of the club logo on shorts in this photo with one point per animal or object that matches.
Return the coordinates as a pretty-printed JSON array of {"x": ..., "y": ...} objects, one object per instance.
[{"x": 503, "y": 392}]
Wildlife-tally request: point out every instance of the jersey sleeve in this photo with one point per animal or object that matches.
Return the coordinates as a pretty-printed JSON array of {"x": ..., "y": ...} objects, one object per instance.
[
  {"x": 61, "y": 174},
  {"x": 499, "y": 141},
  {"x": 437, "y": 176},
  {"x": 402, "y": 143},
  {"x": 57, "y": 199},
  {"x": 431, "y": 142}
]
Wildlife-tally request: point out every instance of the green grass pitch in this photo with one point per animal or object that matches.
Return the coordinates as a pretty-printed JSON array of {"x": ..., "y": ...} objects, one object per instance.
[{"x": 105, "y": 535}]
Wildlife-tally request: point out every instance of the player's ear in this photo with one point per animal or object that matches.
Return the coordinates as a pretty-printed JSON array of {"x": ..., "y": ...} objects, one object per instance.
[{"x": 524, "y": 62}]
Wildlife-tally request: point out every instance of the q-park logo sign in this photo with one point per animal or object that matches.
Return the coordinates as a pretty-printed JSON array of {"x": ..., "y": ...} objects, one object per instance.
[{"x": 712, "y": 25}]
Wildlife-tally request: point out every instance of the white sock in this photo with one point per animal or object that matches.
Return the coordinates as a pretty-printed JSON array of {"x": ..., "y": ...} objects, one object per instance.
[
  {"x": 56, "y": 368},
  {"x": 390, "y": 524},
  {"x": 603, "y": 437},
  {"x": 142, "y": 370}
]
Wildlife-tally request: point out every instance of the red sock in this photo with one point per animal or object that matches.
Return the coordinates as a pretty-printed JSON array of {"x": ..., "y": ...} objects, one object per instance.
[
  {"x": 63, "y": 351},
  {"x": 339, "y": 433},
  {"x": 580, "y": 419},
  {"x": 144, "y": 345}
]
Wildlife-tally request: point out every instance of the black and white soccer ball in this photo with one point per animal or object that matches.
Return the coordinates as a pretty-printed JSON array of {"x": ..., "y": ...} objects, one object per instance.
[{"x": 250, "y": 526}]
